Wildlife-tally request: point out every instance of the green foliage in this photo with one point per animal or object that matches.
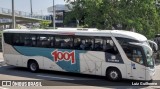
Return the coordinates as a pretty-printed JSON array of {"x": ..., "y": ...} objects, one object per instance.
[
  {"x": 44, "y": 24},
  {"x": 142, "y": 15}
]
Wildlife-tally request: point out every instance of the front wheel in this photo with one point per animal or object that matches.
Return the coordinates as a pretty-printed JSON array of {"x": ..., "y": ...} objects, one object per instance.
[
  {"x": 33, "y": 66},
  {"x": 113, "y": 74}
]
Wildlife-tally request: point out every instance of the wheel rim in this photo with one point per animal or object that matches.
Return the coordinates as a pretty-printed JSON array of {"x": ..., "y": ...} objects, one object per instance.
[
  {"x": 113, "y": 75},
  {"x": 33, "y": 66}
]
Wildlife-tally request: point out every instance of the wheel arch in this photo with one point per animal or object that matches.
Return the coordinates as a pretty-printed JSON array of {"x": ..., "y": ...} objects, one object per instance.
[
  {"x": 113, "y": 67},
  {"x": 31, "y": 60}
]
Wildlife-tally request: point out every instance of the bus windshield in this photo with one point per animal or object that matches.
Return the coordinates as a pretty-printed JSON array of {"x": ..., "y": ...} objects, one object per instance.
[
  {"x": 149, "y": 58},
  {"x": 139, "y": 52}
]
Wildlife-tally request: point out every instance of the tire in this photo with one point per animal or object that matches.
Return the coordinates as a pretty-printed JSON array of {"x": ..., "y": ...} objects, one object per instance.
[
  {"x": 113, "y": 74},
  {"x": 33, "y": 66}
]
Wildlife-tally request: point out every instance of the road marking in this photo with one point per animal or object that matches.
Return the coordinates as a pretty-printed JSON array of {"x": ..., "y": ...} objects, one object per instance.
[
  {"x": 55, "y": 77},
  {"x": 3, "y": 88}
]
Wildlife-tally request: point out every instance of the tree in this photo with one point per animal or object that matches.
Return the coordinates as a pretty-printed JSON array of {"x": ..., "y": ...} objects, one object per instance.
[
  {"x": 141, "y": 15},
  {"x": 44, "y": 24},
  {"x": 77, "y": 13}
]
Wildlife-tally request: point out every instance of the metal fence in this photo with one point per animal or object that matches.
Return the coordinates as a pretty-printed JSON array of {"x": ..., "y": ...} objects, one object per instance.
[{"x": 22, "y": 14}]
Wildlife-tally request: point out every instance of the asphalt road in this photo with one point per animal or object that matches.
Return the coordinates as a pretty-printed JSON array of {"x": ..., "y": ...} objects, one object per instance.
[{"x": 61, "y": 80}]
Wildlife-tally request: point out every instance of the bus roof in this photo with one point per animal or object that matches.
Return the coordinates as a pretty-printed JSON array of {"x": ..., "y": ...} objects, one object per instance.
[
  {"x": 128, "y": 34},
  {"x": 82, "y": 32}
]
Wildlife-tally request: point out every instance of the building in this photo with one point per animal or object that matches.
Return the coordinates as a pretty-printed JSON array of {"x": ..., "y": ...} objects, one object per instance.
[{"x": 60, "y": 12}]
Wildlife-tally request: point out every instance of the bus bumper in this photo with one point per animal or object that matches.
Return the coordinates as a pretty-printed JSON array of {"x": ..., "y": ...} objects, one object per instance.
[{"x": 150, "y": 73}]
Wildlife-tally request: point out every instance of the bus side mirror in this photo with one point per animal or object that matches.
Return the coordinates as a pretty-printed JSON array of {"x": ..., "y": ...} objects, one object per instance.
[{"x": 153, "y": 45}]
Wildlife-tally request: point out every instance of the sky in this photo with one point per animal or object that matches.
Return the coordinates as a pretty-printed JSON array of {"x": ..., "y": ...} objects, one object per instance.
[{"x": 38, "y": 6}]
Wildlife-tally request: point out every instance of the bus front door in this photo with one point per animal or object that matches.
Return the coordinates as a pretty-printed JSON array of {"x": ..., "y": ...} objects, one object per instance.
[
  {"x": 137, "y": 63},
  {"x": 138, "y": 71}
]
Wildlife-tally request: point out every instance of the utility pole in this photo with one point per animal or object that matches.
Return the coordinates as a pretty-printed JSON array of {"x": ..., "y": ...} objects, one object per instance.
[
  {"x": 31, "y": 12},
  {"x": 31, "y": 7},
  {"x": 53, "y": 16},
  {"x": 13, "y": 16}
]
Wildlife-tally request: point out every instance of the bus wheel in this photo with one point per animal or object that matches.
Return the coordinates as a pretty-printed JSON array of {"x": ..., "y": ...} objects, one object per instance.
[
  {"x": 33, "y": 66},
  {"x": 113, "y": 74}
]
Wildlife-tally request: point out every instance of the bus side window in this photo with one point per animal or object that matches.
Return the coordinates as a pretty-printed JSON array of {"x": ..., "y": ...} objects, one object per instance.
[
  {"x": 128, "y": 51},
  {"x": 33, "y": 40},
  {"x": 68, "y": 42},
  {"x": 57, "y": 42},
  {"x": 30, "y": 40},
  {"x": 27, "y": 41},
  {"x": 133, "y": 53},
  {"x": 16, "y": 39},
  {"x": 77, "y": 43},
  {"x": 109, "y": 46},
  {"x": 7, "y": 38},
  {"x": 21, "y": 40},
  {"x": 43, "y": 41},
  {"x": 137, "y": 56},
  {"x": 82, "y": 44},
  {"x": 52, "y": 44},
  {"x": 86, "y": 44},
  {"x": 64, "y": 42},
  {"x": 98, "y": 44}
]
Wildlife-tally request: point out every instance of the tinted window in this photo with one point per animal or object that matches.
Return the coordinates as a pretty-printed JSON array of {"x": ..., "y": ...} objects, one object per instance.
[
  {"x": 98, "y": 44},
  {"x": 16, "y": 39},
  {"x": 95, "y": 44},
  {"x": 133, "y": 53},
  {"x": 137, "y": 55},
  {"x": 105, "y": 44},
  {"x": 65, "y": 42},
  {"x": 8, "y": 38},
  {"x": 83, "y": 43},
  {"x": 77, "y": 42},
  {"x": 30, "y": 40},
  {"x": 45, "y": 41},
  {"x": 109, "y": 46}
]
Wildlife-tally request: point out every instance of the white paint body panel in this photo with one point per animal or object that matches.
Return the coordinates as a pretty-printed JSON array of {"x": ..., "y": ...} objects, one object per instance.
[{"x": 91, "y": 62}]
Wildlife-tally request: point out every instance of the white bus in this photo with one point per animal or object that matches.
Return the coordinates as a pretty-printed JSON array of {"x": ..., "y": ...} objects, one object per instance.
[{"x": 115, "y": 54}]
